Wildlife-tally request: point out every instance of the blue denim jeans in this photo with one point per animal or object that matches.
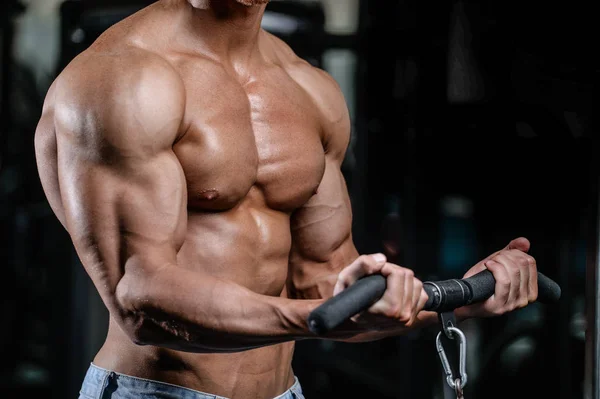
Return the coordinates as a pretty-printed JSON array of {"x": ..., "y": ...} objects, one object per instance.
[{"x": 104, "y": 384}]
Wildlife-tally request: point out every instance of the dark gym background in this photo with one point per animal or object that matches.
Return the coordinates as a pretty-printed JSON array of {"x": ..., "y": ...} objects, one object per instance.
[{"x": 473, "y": 123}]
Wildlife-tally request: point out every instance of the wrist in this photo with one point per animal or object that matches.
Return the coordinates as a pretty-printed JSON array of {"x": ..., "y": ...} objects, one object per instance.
[{"x": 294, "y": 314}]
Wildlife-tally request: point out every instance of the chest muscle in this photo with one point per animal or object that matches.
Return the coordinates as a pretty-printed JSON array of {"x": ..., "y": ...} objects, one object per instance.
[{"x": 263, "y": 134}]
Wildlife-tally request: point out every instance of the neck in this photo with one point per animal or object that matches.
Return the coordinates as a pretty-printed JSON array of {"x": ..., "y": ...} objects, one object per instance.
[{"x": 224, "y": 27}]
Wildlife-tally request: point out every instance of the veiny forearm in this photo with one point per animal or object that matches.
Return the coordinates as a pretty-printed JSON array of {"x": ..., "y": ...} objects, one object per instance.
[{"x": 188, "y": 311}]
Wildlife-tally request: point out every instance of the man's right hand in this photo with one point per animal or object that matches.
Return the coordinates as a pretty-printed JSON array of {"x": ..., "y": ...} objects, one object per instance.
[{"x": 402, "y": 301}]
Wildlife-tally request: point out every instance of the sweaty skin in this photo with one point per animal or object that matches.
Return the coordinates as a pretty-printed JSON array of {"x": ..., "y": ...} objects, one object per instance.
[{"x": 195, "y": 161}]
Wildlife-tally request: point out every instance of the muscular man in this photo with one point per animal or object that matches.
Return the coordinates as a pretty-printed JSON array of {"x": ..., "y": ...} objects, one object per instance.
[{"x": 195, "y": 161}]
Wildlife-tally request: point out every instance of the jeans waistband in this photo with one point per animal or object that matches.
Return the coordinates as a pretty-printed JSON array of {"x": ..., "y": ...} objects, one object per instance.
[{"x": 98, "y": 381}]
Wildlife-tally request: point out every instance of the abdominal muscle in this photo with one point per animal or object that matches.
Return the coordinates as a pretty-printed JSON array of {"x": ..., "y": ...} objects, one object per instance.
[{"x": 248, "y": 245}]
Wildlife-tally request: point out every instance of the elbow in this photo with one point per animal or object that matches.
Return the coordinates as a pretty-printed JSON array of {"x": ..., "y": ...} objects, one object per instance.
[
  {"x": 134, "y": 306},
  {"x": 142, "y": 312},
  {"x": 143, "y": 332},
  {"x": 138, "y": 336}
]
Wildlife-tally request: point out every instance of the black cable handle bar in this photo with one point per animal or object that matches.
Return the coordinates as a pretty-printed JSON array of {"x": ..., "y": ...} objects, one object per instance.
[{"x": 444, "y": 296}]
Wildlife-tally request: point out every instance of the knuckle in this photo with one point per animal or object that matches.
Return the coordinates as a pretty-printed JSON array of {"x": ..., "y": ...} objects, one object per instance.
[
  {"x": 524, "y": 262},
  {"x": 371, "y": 268},
  {"x": 367, "y": 264},
  {"x": 394, "y": 269},
  {"x": 502, "y": 256},
  {"x": 363, "y": 260},
  {"x": 343, "y": 278}
]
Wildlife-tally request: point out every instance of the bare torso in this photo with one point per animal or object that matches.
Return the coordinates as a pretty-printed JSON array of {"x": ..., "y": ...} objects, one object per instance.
[
  {"x": 250, "y": 157},
  {"x": 252, "y": 151}
]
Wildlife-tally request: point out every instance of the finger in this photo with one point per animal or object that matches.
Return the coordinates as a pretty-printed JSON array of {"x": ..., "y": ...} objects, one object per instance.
[
  {"x": 524, "y": 272},
  {"x": 406, "y": 315},
  {"x": 390, "y": 303},
  {"x": 481, "y": 266},
  {"x": 521, "y": 243},
  {"x": 503, "y": 281},
  {"x": 532, "y": 291},
  {"x": 364, "y": 265},
  {"x": 419, "y": 299},
  {"x": 519, "y": 267},
  {"x": 514, "y": 273}
]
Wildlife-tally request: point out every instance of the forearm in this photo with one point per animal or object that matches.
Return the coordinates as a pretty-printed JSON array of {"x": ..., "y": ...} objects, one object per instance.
[{"x": 188, "y": 311}]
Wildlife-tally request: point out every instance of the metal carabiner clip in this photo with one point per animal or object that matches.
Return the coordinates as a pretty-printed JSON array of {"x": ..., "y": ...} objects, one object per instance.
[{"x": 462, "y": 356}]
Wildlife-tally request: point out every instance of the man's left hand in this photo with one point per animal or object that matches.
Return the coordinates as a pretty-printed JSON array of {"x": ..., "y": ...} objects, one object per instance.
[{"x": 515, "y": 272}]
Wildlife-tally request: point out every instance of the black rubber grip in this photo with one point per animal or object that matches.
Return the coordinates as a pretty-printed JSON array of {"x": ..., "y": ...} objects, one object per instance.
[
  {"x": 482, "y": 287},
  {"x": 445, "y": 295},
  {"x": 353, "y": 300},
  {"x": 548, "y": 290}
]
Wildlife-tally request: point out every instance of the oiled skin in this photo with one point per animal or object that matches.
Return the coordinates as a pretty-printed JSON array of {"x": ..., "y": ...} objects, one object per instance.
[
  {"x": 178, "y": 160},
  {"x": 195, "y": 161}
]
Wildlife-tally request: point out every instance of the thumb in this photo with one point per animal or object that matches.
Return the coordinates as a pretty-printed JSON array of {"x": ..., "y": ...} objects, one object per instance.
[{"x": 521, "y": 243}]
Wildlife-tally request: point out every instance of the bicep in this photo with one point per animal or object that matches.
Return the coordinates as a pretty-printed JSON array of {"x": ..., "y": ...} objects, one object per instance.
[
  {"x": 120, "y": 185},
  {"x": 123, "y": 213}
]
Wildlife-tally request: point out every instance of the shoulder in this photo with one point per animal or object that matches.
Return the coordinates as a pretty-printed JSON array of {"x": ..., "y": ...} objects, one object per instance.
[
  {"x": 117, "y": 91},
  {"x": 126, "y": 76},
  {"x": 324, "y": 91}
]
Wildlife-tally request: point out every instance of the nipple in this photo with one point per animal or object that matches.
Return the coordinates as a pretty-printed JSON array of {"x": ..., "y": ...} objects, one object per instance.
[{"x": 208, "y": 195}]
